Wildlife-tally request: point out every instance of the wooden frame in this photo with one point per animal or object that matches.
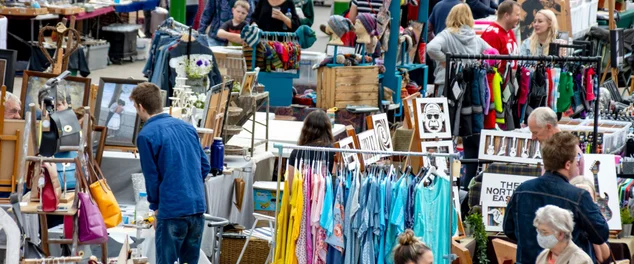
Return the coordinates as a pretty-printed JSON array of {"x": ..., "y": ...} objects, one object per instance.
[
  {"x": 33, "y": 96},
  {"x": 381, "y": 127},
  {"x": 409, "y": 119},
  {"x": 101, "y": 142},
  {"x": 249, "y": 81},
  {"x": 426, "y": 145},
  {"x": 119, "y": 85},
  {"x": 9, "y": 150},
  {"x": 7, "y": 68}
]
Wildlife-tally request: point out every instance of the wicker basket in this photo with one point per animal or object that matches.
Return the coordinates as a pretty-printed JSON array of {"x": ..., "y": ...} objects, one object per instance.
[{"x": 256, "y": 252}]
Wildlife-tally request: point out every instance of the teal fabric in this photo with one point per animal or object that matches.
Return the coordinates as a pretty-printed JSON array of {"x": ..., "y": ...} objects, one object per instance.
[
  {"x": 306, "y": 36},
  {"x": 327, "y": 218},
  {"x": 431, "y": 225},
  {"x": 396, "y": 221}
]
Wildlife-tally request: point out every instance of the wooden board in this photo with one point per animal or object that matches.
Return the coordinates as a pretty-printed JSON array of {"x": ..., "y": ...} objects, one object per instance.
[
  {"x": 23, "y": 11},
  {"x": 65, "y": 11}
]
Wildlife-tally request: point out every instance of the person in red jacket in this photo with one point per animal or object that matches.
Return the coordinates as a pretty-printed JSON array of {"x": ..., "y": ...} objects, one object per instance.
[{"x": 500, "y": 34}]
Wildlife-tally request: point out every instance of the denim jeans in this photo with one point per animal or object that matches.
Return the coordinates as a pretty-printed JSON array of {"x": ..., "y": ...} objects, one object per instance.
[{"x": 178, "y": 239}]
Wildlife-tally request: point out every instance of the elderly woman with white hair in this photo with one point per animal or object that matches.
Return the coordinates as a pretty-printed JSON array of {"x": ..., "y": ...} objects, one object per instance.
[{"x": 554, "y": 233}]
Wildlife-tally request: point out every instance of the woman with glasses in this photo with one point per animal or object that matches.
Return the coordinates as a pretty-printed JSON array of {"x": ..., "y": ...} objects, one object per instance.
[{"x": 554, "y": 234}]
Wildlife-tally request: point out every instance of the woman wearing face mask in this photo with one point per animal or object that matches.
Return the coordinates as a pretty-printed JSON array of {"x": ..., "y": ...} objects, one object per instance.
[
  {"x": 545, "y": 30},
  {"x": 554, "y": 233}
]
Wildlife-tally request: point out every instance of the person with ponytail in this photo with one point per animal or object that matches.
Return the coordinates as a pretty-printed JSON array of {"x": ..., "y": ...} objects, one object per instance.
[
  {"x": 410, "y": 250},
  {"x": 545, "y": 29}
]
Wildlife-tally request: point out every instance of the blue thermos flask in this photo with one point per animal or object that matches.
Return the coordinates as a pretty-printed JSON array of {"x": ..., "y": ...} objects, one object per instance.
[{"x": 217, "y": 160}]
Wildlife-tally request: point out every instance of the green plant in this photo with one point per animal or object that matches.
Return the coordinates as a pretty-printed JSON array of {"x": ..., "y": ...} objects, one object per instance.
[
  {"x": 475, "y": 221},
  {"x": 626, "y": 218}
]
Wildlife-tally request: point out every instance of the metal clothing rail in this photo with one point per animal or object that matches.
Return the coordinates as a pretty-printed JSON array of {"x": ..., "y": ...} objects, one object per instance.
[
  {"x": 594, "y": 59},
  {"x": 450, "y": 257}
]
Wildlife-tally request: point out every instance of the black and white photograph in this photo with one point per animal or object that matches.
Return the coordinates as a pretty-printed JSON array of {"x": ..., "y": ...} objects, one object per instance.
[{"x": 433, "y": 118}]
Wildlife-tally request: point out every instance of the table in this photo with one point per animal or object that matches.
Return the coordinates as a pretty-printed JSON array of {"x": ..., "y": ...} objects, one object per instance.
[{"x": 280, "y": 132}]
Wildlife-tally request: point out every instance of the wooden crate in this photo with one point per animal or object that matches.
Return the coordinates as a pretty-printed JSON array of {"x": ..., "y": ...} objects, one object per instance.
[
  {"x": 343, "y": 86},
  {"x": 66, "y": 10},
  {"x": 22, "y": 11}
]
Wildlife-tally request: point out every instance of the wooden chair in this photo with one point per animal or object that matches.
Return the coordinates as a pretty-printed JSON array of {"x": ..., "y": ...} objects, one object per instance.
[
  {"x": 464, "y": 256},
  {"x": 504, "y": 251}
]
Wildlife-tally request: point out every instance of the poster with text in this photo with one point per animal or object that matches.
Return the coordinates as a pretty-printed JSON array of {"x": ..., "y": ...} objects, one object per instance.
[
  {"x": 601, "y": 170},
  {"x": 495, "y": 194}
]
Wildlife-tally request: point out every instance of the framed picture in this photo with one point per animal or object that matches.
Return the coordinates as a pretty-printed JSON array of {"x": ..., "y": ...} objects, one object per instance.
[
  {"x": 509, "y": 146},
  {"x": 367, "y": 141},
  {"x": 350, "y": 159},
  {"x": 99, "y": 142},
  {"x": 382, "y": 132},
  {"x": 7, "y": 68},
  {"x": 433, "y": 118},
  {"x": 497, "y": 190},
  {"x": 601, "y": 170},
  {"x": 115, "y": 111},
  {"x": 75, "y": 89},
  {"x": 216, "y": 89},
  {"x": 249, "y": 81},
  {"x": 441, "y": 163}
]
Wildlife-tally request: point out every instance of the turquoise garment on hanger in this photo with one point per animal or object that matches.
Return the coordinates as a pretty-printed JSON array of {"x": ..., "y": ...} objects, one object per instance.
[
  {"x": 396, "y": 223},
  {"x": 432, "y": 218},
  {"x": 326, "y": 221}
]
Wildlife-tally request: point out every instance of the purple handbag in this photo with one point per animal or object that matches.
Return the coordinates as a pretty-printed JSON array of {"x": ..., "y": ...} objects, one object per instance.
[{"x": 92, "y": 228}]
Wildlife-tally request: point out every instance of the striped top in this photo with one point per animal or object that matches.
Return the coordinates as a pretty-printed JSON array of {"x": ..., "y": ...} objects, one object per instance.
[{"x": 368, "y": 6}]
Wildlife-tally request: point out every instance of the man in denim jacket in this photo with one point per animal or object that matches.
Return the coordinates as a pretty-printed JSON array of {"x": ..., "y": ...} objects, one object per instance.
[{"x": 561, "y": 156}]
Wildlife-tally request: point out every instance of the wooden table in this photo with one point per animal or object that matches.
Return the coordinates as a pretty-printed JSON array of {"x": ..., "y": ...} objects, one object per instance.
[{"x": 64, "y": 209}]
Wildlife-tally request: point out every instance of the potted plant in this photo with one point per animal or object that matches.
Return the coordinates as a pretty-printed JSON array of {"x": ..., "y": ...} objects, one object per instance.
[
  {"x": 626, "y": 220},
  {"x": 475, "y": 223}
]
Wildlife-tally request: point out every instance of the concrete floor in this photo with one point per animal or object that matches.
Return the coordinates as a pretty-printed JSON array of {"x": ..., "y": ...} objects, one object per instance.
[{"x": 133, "y": 69}]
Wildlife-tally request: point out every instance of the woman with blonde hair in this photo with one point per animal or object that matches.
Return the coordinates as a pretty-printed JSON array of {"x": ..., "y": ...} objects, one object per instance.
[
  {"x": 458, "y": 38},
  {"x": 410, "y": 250},
  {"x": 545, "y": 29}
]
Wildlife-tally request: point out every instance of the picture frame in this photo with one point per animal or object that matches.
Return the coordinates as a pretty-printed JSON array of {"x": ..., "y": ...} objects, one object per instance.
[
  {"x": 445, "y": 146},
  {"x": 432, "y": 116},
  {"x": 509, "y": 146},
  {"x": 216, "y": 89},
  {"x": 99, "y": 142},
  {"x": 367, "y": 141},
  {"x": 115, "y": 111},
  {"x": 381, "y": 128},
  {"x": 606, "y": 186},
  {"x": 8, "y": 59},
  {"x": 350, "y": 159},
  {"x": 33, "y": 82},
  {"x": 249, "y": 81},
  {"x": 497, "y": 190}
]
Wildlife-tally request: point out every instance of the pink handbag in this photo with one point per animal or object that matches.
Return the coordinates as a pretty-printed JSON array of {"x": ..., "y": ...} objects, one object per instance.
[{"x": 92, "y": 228}]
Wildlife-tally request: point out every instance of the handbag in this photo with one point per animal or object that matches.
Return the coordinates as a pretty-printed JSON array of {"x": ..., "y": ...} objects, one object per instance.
[
  {"x": 64, "y": 132},
  {"x": 104, "y": 197},
  {"x": 92, "y": 229},
  {"x": 52, "y": 189}
]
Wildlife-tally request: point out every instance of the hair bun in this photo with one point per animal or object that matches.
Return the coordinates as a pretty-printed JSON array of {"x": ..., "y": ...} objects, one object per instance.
[{"x": 407, "y": 238}]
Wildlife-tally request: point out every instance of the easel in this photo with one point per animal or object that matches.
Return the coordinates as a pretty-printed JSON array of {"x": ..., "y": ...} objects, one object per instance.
[
  {"x": 59, "y": 62},
  {"x": 10, "y": 184},
  {"x": 613, "y": 71},
  {"x": 217, "y": 106},
  {"x": 64, "y": 209},
  {"x": 409, "y": 119}
]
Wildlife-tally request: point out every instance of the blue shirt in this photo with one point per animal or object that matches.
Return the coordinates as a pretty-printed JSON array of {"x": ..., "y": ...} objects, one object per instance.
[
  {"x": 174, "y": 166},
  {"x": 439, "y": 14}
]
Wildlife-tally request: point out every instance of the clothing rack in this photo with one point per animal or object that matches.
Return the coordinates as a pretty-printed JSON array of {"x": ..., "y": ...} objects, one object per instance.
[
  {"x": 272, "y": 35},
  {"x": 452, "y": 157},
  {"x": 595, "y": 59}
]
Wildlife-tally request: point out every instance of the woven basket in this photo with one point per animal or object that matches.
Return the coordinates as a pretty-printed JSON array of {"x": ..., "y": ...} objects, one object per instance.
[{"x": 256, "y": 252}]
